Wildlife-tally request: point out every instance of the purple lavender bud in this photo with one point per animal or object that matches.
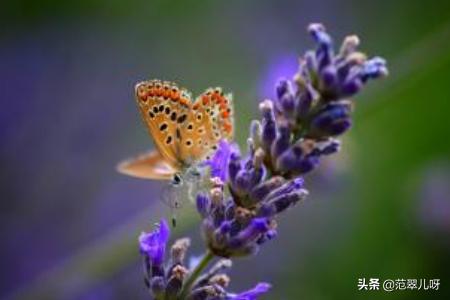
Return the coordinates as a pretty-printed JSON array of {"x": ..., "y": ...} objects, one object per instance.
[
  {"x": 219, "y": 162},
  {"x": 374, "y": 68},
  {"x": 318, "y": 33},
  {"x": 243, "y": 182},
  {"x": 175, "y": 281},
  {"x": 221, "y": 234},
  {"x": 237, "y": 224},
  {"x": 269, "y": 129},
  {"x": 288, "y": 104},
  {"x": 289, "y": 158},
  {"x": 218, "y": 214},
  {"x": 286, "y": 160},
  {"x": 203, "y": 205},
  {"x": 234, "y": 166},
  {"x": 333, "y": 120},
  {"x": 269, "y": 235},
  {"x": 305, "y": 165},
  {"x": 295, "y": 161},
  {"x": 157, "y": 286},
  {"x": 282, "y": 142},
  {"x": 250, "y": 233},
  {"x": 263, "y": 189},
  {"x": 324, "y": 52},
  {"x": 329, "y": 77},
  {"x": 350, "y": 66},
  {"x": 253, "y": 294},
  {"x": 305, "y": 100},
  {"x": 153, "y": 244},
  {"x": 225, "y": 227},
  {"x": 339, "y": 127},
  {"x": 229, "y": 209},
  {"x": 284, "y": 201},
  {"x": 351, "y": 87},
  {"x": 282, "y": 87},
  {"x": 293, "y": 185}
]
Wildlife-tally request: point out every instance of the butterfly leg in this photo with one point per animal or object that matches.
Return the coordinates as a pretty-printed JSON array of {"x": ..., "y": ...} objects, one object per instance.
[{"x": 172, "y": 196}]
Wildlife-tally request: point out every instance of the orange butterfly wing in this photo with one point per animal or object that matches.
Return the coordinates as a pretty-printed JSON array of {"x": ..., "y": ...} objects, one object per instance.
[
  {"x": 209, "y": 122},
  {"x": 183, "y": 131},
  {"x": 147, "y": 166}
]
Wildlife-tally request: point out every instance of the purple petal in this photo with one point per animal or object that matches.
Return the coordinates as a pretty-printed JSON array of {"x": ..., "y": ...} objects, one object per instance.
[
  {"x": 250, "y": 233},
  {"x": 219, "y": 161},
  {"x": 154, "y": 243},
  {"x": 252, "y": 294}
]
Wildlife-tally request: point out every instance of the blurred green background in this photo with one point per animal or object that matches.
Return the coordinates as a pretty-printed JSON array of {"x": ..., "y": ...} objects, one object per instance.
[{"x": 379, "y": 209}]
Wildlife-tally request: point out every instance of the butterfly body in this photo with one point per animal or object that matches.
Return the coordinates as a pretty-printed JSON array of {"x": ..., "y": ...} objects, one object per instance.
[{"x": 185, "y": 132}]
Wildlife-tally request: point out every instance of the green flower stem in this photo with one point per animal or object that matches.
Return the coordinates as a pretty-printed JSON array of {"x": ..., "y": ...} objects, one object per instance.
[{"x": 195, "y": 273}]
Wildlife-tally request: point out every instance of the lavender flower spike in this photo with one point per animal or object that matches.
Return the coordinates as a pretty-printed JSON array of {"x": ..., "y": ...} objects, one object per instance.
[
  {"x": 173, "y": 280},
  {"x": 249, "y": 191}
]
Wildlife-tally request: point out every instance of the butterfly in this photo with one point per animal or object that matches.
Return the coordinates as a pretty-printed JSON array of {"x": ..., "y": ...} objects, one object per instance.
[{"x": 185, "y": 132}]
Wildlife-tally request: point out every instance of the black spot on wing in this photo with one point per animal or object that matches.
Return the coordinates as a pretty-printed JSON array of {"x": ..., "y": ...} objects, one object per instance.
[{"x": 163, "y": 126}]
